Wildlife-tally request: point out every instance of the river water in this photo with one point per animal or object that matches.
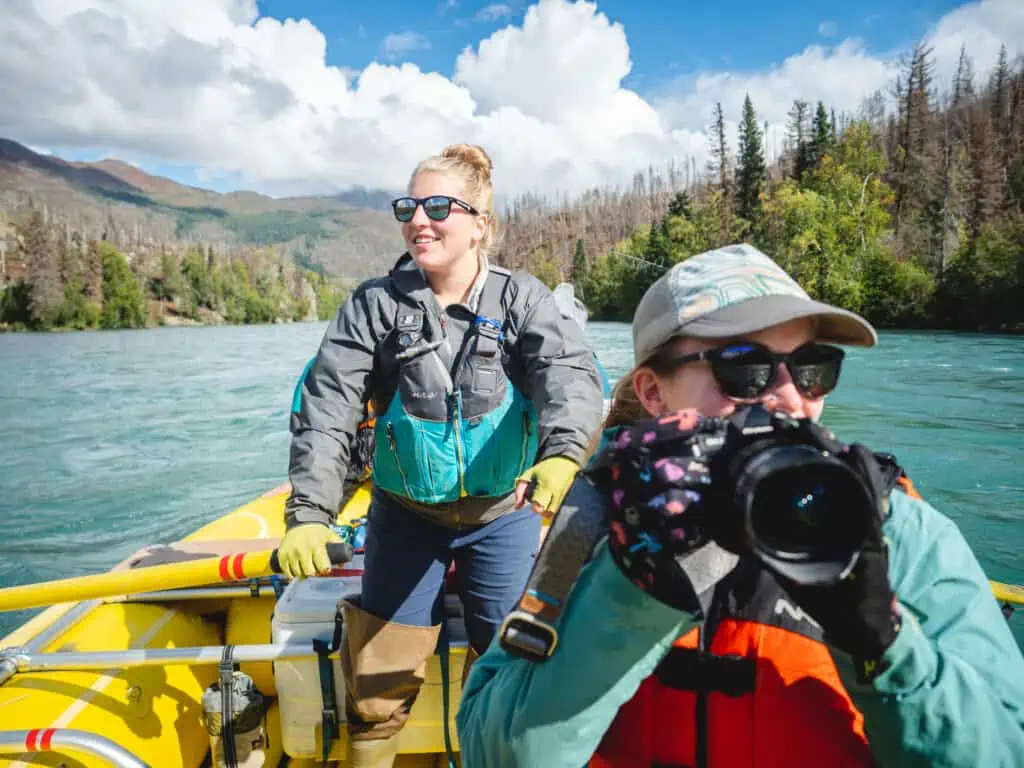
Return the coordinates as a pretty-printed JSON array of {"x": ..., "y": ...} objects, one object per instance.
[{"x": 114, "y": 440}]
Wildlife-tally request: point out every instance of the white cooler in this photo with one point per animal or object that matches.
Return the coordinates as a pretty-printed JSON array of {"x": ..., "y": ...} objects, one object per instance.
[{"x": 305, "y": 611}]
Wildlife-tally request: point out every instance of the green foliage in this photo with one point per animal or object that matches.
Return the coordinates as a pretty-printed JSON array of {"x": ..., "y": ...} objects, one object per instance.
[
  {"x": 69, "y": 285},
  {"x": 15, "y": 305},
  {"x": 750, "y": 168},
  {"x": 579, "y": 264},
  {"x": 821, "y": 138},
  {"x": 896, "y": 293},
  {"x": 830, "y": 233},
  {"x": 77, "y": 311},
  {"x": 542, "y": 266},
  {"x": 986, "y": 278},
  {"x": 274, "y": 227},
  {"x": 328, "y": 296},
  {"x": 123, "y": 305}
]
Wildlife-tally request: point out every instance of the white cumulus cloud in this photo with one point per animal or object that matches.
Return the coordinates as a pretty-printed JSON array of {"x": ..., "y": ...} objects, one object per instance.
[{"x": 210, "y": 83}]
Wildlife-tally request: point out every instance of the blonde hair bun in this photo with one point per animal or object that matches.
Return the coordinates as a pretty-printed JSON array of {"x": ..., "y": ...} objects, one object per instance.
[{"x": 472, "y": 155}]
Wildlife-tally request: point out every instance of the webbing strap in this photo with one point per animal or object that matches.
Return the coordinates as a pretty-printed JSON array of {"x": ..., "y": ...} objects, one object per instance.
[
  {"x": 227, "y": 714},
  {"x": 329, "y": 700},
  {"x": 442, "y": 649},
  {"x": 278, "y": 585},
  {"x": 490, "y": 317}
]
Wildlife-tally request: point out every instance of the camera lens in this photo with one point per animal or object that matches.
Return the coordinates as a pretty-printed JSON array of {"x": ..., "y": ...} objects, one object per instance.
[
  {"x": 806, "y": 509},
  {"x": 800, "y": 506}
]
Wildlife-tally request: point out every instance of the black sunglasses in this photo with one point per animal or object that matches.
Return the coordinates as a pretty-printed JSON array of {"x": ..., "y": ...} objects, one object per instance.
[
  {"x": 437, "y": 207},
  {"x": 745, "y": 370}
]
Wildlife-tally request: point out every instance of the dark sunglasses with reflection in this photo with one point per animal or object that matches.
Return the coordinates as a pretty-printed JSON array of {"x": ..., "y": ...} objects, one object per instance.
[
  {"x": 745, "y": 370},
  {"x": 437, "y": 207}
]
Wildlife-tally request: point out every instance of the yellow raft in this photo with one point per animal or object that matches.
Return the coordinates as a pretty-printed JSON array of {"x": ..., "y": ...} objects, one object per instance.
[
  {"x": 113, "y": 694},
  {"x": 153, "y": 712}
]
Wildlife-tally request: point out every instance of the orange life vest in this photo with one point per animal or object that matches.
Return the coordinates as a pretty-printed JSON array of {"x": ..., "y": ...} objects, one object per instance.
[{"x": 759, "y": 689}]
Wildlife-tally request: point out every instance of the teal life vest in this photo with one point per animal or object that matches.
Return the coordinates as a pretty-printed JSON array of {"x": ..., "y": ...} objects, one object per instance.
[{"x": 476, "y": 439}]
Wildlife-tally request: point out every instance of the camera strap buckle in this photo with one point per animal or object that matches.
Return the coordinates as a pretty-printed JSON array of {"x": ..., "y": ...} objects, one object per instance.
[{"x": 524, "y": 635}]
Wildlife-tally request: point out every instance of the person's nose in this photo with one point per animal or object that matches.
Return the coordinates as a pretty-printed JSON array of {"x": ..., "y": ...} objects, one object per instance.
[
  {"x": 420, "y": 220},
  {"x": 783, "y": 395}
]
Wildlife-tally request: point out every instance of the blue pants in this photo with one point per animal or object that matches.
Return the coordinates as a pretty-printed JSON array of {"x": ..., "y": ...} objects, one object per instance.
[{"x": 407, "y": 558}]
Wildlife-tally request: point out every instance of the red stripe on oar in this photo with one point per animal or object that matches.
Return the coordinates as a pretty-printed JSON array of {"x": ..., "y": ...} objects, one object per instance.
[
  {"x": 222, "y": 568},
  {"x": 236, "y": 566},
  {"x": 345, "y": 572},
  {"x": 30, "y": 740},
  {"x": 44, "y": 743}
]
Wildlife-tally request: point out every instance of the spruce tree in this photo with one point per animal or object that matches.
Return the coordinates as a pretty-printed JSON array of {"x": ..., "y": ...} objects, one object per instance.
[
  {"x": 579, "y": 266},
  {"x": 821, "y": 136},
  {"x": 799, "y": 139},
  {"x": 750, "y": 164}
]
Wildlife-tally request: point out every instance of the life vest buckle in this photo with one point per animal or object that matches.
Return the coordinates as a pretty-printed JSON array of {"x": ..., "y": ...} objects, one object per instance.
[{"x": 489, "y": 335}]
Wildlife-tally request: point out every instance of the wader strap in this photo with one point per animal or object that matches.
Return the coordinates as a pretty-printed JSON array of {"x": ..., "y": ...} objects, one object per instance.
[
  {"x": 329, "y": 707},
  {"x": 227, "y": 715},
  {"x": 442, "y": 650}
]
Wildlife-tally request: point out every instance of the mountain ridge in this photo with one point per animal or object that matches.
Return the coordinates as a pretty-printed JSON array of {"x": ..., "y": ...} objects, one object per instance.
[{"x": 350, "y": 234}]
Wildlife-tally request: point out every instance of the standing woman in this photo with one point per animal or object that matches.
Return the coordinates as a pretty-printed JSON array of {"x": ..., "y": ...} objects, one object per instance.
[{"x": 485, "y": 397}]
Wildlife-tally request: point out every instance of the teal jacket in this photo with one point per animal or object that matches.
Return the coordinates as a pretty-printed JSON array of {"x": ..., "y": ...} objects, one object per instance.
[{"x": 953, "y": 694}]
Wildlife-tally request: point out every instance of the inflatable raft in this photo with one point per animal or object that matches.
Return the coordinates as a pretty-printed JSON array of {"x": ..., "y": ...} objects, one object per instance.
[
  {"x": 120, "y": 680},
  {"x": 125, "y": 668}
]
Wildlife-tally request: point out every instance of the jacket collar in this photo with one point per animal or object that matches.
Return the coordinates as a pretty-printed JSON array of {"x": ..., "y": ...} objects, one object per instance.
[{"x": 410, "y": 281}]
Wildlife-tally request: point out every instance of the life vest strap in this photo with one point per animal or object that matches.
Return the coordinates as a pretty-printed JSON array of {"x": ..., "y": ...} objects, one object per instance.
[{"x": 689, "y": 669}]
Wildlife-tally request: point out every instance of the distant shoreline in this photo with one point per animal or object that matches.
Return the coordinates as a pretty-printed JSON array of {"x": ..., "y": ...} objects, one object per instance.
[{"x": 178, "y": 321}]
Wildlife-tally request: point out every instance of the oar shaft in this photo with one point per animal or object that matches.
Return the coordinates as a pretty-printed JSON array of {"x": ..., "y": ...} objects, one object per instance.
[
  {"x": 244, "y": 565},
  {"x": 190, "y": 573}
]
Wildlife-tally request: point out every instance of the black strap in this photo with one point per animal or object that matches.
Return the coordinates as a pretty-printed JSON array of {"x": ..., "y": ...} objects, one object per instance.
[
  {"x": 328, "y": 694},
  {"x": 490, "y": 314},
  {"x": 278, "y": 586},
  {"x": 227, "y": 714},
  {"x": 690, "y": 669},
  {"x": 443, "y": 645}
]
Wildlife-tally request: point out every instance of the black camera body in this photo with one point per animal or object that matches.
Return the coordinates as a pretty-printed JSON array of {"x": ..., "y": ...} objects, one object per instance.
[
  {"x": 780, "y": 489},
  {"x": 783, "y": 493}
]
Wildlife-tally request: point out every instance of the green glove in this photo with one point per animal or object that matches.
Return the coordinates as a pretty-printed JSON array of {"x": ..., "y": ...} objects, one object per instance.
[
  {"x": 303, "y": 550},
  {"x": 546, "y": 483}
]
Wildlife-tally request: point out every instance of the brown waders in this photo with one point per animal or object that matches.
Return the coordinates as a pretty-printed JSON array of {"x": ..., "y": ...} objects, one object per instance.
[{"x": 385, "y": 665}]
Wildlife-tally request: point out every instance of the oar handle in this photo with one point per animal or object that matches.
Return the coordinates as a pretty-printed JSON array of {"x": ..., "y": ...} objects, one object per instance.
[{"x": 336, "y": 553}]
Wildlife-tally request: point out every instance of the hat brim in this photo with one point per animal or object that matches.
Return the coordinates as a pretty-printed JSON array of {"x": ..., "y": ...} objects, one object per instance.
[{"x": 836, "y": 325}]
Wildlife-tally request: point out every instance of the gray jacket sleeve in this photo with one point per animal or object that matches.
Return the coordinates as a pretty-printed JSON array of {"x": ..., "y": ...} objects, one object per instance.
[
  {"x": 559, "y": 369},
  {"x": 333, "y": 395}
]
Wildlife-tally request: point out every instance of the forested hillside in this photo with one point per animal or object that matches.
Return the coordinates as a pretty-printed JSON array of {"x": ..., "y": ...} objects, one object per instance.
[{"x": 909, "y": 213}]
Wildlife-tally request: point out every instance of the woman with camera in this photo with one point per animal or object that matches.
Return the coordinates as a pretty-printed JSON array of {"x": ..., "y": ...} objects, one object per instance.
[
  {"x": 722, "y": 626},
  {"x": 485, "y": 398}
]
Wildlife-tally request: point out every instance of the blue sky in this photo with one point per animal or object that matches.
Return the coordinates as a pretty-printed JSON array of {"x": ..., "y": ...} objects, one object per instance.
[
  {"x": 564, "y": 102},
  {"x": 667, "y": 39}
]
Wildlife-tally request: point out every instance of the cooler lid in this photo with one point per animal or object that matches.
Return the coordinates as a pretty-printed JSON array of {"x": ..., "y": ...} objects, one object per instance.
[{"x": 314, "y": 600}]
